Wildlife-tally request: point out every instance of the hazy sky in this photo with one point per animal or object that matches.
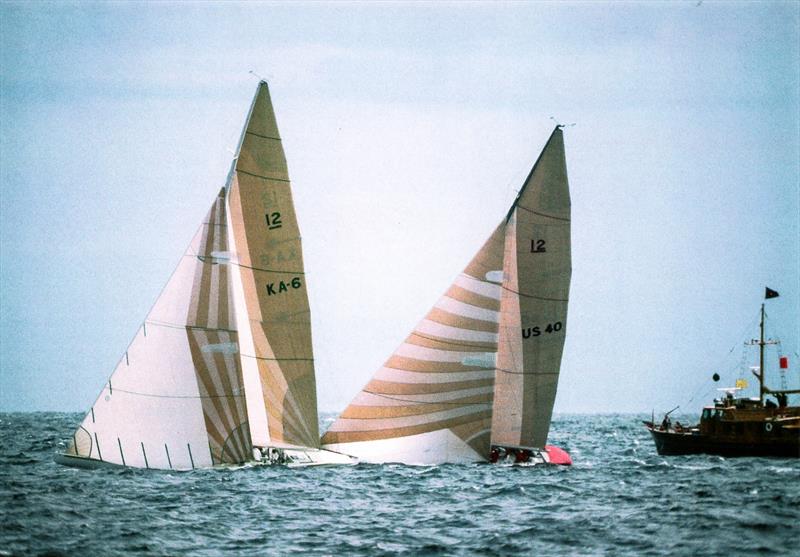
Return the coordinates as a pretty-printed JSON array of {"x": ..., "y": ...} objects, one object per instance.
[{"x": 408, "y": 129}]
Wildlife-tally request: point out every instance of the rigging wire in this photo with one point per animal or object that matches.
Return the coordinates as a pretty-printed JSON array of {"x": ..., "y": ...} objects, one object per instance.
[{"x": 721, "y": 364}]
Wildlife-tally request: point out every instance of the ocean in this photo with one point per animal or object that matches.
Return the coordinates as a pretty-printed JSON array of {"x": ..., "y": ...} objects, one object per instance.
[{"x": 619, "y": 498}]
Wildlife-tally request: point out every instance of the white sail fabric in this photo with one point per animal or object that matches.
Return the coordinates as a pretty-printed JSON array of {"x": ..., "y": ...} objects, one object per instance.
[
  {"x": 537, "y": 270},
  {"x": 482, "y": 367},
  {"x": 175, "y": 400}
]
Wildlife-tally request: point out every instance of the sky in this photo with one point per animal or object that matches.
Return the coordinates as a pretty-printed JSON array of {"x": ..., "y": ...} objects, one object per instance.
[{"x": 408, "y": 129}]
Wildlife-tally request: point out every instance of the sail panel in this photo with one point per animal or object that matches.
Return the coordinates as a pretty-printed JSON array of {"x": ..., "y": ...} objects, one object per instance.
[
  {"x": 270, "y": 259},
  {"x": 537, "y": 270},
  {"x": 438, "y": 384}
]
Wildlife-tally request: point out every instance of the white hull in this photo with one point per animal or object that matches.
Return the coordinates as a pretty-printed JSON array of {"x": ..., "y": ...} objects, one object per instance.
[
  {"x": 435, "y": 447},
  {"x": 299, "y": 457}
]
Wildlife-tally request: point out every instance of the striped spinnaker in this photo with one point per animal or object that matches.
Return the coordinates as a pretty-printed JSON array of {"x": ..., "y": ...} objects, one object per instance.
[{"x": 441, "y": 377}]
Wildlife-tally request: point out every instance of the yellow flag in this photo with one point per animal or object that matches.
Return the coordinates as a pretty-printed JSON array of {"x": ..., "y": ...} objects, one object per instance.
[{"x": 741, "y": 383}]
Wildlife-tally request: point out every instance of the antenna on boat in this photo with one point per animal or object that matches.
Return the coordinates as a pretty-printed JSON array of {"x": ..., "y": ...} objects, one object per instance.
[
  {"x": 258, "y": 76},
  {"x": 560, "y": 125}
]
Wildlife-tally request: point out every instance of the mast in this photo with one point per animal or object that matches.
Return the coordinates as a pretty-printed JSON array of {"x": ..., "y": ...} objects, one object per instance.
[{"x": 761, "y": 359}]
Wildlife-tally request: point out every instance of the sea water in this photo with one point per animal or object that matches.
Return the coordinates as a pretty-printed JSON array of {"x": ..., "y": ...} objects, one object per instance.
[{"x": 619, "y": 498}]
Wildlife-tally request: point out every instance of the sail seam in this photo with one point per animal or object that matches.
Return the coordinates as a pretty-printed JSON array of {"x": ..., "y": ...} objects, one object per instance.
[
  {"x": 544, "y": 214},
  {"x": 270, "y": 270},
  {"x": 277, "y": 359},
  {"x": 262, "y": 136},
  {"x": 215, "y": 261},
  {"x": 263, "y": 177},
  {"x": 151, "y": 395},
  {"x": 527, "y": 372},
  {"x": 457, "y": 403},
  {"x": 438, "y": 339},
  {"x": 535, "y": 297},
  {"x": 188, "y": 327}
]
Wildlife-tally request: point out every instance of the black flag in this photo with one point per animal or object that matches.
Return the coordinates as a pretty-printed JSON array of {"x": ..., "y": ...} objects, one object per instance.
[{"x": 770, "y": 294}]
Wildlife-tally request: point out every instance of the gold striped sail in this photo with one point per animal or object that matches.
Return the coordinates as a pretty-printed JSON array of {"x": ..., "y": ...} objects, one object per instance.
[
  {"x": 223, "y": 361},
  {"x": 482, "y": 367}
]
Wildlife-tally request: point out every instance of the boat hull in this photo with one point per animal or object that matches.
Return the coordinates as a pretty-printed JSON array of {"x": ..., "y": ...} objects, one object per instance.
[
  {"x": 300, "y": 457},
  {"x": 529, "y": 456},
  {"x": 672, "y": 443},
  {"x": 74, "y": 461}
]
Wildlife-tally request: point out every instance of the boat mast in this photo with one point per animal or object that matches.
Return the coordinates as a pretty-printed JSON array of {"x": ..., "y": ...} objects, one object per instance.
[{"x": 761, "y": 359}]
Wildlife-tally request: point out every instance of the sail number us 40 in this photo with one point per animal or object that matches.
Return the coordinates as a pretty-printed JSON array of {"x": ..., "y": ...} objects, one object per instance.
[
  {"x": 528, "y": 332},
  {"x": 275, "y": 288}
]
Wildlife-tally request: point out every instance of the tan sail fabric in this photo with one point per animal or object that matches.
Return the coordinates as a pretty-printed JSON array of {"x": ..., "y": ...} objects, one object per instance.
[
  {"x": 175, "y": 400},
  {"x": 213, "y": 343},
  {"x": 441, "y": 377},
  {"x": 537, "y": 270},
  {"x": 270, "y": 259}
]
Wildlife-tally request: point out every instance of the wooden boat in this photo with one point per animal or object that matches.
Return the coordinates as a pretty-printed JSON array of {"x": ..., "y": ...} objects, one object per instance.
[{"x": 738, "y": 426}]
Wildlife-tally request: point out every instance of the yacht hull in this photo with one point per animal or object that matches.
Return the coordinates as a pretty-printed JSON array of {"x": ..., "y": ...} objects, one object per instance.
[{"x": 669, "y": 443}]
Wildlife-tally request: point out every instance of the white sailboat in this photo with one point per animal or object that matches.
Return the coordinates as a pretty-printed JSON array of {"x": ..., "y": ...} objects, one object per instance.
[
  {"x": 221, "y": 371},
  {"x": 476, "y": 379}
]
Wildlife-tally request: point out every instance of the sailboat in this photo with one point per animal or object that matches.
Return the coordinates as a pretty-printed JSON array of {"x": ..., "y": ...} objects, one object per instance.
[
  {"x": 476, "y": 379},
  {"x": 221, "y": 371}
]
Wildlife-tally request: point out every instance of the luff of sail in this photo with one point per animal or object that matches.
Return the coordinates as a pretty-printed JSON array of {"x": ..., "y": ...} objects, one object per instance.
[
  {"x": 176, "y": 398},
  {"x": 431, "y": 400},
  {"x": 279, "y": 357},
  {"x": 537, "y": 271}
]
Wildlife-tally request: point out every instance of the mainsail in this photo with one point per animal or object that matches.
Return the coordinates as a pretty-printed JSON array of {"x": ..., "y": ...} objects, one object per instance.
[
  {"x": 481, "y": 368},
  {"x": 277, "y": 328},
  {"x": 536, "y": 270},
  {"x": 223, "y": 361}
]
